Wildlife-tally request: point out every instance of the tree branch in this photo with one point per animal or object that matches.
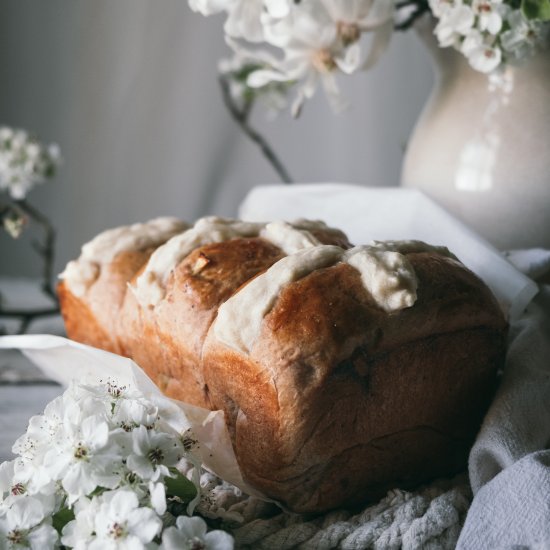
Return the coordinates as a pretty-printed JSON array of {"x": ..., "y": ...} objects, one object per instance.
[
  {"x": 419, "y": 8},
  {"x": 26, "y": 317},
  {"x": 241, "y": 118},
  {"x": 46, "y": 250}
]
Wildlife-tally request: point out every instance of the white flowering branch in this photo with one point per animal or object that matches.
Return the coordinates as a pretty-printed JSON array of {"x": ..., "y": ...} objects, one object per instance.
[
  {"x": 24, "y": 163},
  {"x": 102, "y": 468},
  {"x": 46, "y": 252},
  {"x": 308, "y": 44}
]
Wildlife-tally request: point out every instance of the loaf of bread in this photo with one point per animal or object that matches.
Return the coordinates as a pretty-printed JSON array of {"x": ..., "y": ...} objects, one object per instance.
[{"x": 342, "y": 371}]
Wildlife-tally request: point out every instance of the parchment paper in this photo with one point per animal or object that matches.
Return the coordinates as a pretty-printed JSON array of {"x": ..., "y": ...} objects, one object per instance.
[
  {"x": 64, "y": 361},
  {"x": 370, "y": 213}
]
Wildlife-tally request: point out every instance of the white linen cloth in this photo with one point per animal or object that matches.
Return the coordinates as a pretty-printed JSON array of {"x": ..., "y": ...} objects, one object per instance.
[
  {"x": 510, "y": 461},
  {"x": 370, "y": 213}
]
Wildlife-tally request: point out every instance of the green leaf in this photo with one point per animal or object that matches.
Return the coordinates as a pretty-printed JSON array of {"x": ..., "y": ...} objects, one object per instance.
[
  {"x": 61, "y": 518},
  {"x": 179, "y": 486},
  {"x": 536, "y": 9}
]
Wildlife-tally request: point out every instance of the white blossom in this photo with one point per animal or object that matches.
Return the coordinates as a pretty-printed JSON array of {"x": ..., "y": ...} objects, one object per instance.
[
  {"x": 239, "y": 66},
  {"x": 24, "y": 162},
  {"x": 25, "y": 524},
  {"x": 244, "y": 20},
  {"x": 80, "y": 532},
  {"x": 153, "y": 453},
  {"x": 490, "y": 33},
  {"x": 42, "y": 434},
  {"x": 157, "y": 494},
  {"x": 320, "y": 39},
  {"x": 490, "y": 15},
  {"x": 30, "y": 477},
  {"x": 522, "y": 37},
  {"x": 315, "y": 40},
  {"x": 454, "y": 24},
  {"x": 482, "y": 56},
  {"x": 312, "y": 53},
  {"x": 191, "y": 533},
  {"x": 244, "y": 17},
  {"x": 105, "y": 452},
  {"x": 210, "y": 7},
  {"x": 84, "y": 458},
  {"x": 129, "y": 414},
  {"x": 311, "y": 42},
  {"x": 278, "y": 8},
  {"x": 440, "y": 7},
  {"x": 120, "y": 523},
  {"x": 6, "y": 479}
]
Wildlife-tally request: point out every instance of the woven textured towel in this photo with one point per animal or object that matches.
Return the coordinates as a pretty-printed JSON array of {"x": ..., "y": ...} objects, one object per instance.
[{"x": 429, "y": 518}]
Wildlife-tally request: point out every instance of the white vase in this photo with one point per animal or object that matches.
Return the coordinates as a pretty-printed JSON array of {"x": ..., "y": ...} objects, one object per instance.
[{"x": 485, "y": 154}]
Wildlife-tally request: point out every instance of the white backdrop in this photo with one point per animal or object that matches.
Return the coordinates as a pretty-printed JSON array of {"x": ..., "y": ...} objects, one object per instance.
[{"x": 128, "y": 89}]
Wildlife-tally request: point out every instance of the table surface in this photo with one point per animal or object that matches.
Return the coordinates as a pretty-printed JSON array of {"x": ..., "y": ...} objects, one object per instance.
[{"x": 24, "y": 390}]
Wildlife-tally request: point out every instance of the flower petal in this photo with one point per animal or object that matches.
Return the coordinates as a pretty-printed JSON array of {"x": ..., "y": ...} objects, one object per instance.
[
  {"x": 144, "y": 524},
  {"x": 219, "y": 540},
  {"x": 25, "y": 513},
  {"x": 191, "y": 527}
]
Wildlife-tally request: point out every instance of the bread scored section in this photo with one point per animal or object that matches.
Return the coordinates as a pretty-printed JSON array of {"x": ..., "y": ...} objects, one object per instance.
[
  {"x": 334, "y": 399},
  {"x": 94, "y": 286},
  {"x": 161, "y": 323}
]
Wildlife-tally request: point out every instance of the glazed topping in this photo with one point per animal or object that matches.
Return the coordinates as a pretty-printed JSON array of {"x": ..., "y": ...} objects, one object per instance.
[
  {"x": 316, "y": 225},
  {"x": 150, "y": 286},
  {"x": 290, "y": 238},
  {"x": 413, "y": 247},
  {"x": 387, "y": 275},
  {"x": 257, "y": 297},
  {"x": 81, "y": 273}
]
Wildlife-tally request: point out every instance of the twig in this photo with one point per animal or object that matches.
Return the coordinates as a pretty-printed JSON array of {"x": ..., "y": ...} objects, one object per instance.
[
  {"x": 29, "y": 313},
  {"x": 46, "y": 250},
  {"x": 26, "y": 317},
  {"x": 420, "y": 8},
  {"x": 241, "y": 118}
]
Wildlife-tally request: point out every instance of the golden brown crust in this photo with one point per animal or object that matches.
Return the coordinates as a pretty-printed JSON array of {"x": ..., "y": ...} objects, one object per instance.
[
  {"x": 352, "y": 399},
  {"x": 337, "y": 400},
  {"x": 80, "y": 323},
  {"x": 94, "y": 318},
  {"x": 362, "y": 432},
  {"x": 196, "y": 288}
]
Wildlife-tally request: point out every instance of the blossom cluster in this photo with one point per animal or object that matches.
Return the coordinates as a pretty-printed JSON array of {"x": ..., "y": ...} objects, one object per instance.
[
  {"x": 488, "y": 32},
  {"x": 24, "y": 162},
  {"x": 307, "y": 42},
  {"x": 101, "y": 469},
  {"x": 310, "y": 42}
]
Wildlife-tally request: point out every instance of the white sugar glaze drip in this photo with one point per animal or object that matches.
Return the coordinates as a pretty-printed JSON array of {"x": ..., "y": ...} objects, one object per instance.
[
  {"x": 150, "y": 286},
  {"x": 81, "y": 273},
  {"x": 412, "y": 247},
  {"x": 240, "y": 331},
  {"x": 386, "y": 274}
]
